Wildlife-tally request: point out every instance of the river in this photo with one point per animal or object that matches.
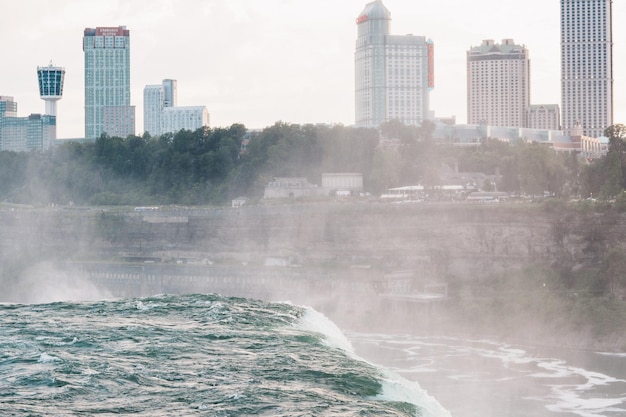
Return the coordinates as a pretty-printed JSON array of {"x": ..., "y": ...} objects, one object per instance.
[{"x": 482, "y": 378}]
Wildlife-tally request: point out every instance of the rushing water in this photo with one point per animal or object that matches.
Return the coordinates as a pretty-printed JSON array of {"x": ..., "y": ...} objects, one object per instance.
[
  {"x": 190, "y": 355},
  {"x": 480, "y": 378}
]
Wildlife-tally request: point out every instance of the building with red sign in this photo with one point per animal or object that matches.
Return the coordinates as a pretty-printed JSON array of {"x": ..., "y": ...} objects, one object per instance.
[{"x": 393, "y": 74}]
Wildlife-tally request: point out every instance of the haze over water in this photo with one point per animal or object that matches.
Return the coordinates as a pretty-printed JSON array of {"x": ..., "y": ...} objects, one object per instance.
[{"x": 219, "y": 356}]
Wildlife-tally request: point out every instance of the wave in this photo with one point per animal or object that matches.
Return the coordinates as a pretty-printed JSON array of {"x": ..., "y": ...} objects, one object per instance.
[
  {"x": 186, "y": 354},
  {"x": 394, "y": 388}
]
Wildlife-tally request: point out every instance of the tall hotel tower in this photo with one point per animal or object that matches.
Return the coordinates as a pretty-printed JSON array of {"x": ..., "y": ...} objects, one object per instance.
[
  {"x": 498, "y": 84},
  {"x": 393, "y": 74},
  {"x": 107, "y": 82},
  {"x": 51, "y": 80},
  {"x": 587, "y": 65}
]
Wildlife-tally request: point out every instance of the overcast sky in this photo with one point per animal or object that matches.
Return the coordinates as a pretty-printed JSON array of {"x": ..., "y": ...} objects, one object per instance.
[{"x": 260, "y": 61}]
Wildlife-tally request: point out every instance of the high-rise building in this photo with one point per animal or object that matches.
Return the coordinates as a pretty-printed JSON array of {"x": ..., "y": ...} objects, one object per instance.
[
  {"x": 153, "y": 96},
  {"x": 393, "y": 74},
  {"x": 51, "y": 80},
  {"x": 587, "y": 65},
  {"x": 498, "y": 84},
  {"x": 107, "y": 82}
]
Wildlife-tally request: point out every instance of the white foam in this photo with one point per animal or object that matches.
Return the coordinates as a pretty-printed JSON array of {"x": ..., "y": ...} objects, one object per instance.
[
  {"x": 394, "y": 387},
  {"x": 615, "y": 354},
  {"x": 45, "y": 358},
  {"x": 315, "y": 321},
  {"x": 568, "y": 389}
]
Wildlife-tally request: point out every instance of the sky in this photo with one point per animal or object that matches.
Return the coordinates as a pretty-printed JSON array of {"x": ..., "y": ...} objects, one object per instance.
[{"x": 257, "y": 62}]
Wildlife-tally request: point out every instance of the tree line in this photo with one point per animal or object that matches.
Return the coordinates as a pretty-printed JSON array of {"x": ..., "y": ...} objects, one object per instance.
[{"x": 211, "y": 165}]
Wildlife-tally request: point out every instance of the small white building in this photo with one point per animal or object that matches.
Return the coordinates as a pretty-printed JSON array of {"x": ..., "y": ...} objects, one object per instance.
[
  {"x": 346, "y": 181},
  {"x": 292, "y": 187},
  {"x": 239, "y": 201}
]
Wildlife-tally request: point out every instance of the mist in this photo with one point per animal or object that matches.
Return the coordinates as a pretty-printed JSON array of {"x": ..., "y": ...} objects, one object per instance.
[{"x": 44, "y": 283}]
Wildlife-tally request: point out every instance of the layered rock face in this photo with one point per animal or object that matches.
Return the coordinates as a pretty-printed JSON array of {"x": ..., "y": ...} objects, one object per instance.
[{"x": 453, "y": 239}]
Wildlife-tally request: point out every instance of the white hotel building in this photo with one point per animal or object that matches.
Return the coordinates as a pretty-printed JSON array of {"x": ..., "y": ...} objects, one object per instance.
[
  {"x": 393, "y": 74},
  {"x": 587, "y": 65},
  {"x": 162, "y": 115},
  {"x": 498, "y": 84}
]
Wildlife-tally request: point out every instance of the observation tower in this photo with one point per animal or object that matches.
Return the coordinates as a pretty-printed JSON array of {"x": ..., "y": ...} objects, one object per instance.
[{"x": 51, "y": 86}]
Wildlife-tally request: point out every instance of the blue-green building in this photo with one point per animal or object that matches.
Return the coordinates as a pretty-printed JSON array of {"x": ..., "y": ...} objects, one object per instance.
[
  {"x": 21, "y": 134},
  {"x": 107, "y": 82}
]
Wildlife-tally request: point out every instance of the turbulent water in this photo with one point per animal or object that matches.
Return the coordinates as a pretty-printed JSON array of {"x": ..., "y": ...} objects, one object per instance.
[
  {"x": 482, "y": 378},
  {"x": 190, "y": 355}
]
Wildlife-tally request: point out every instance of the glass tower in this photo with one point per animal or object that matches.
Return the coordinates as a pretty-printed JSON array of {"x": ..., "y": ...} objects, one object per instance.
[
  {"x": 587, "y": 65},
  {"x": 393, "y": 74},
  {"x": 107, "y": 82}
]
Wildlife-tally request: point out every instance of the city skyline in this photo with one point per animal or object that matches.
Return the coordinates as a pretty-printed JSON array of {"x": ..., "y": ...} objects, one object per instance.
[{"x": 231, "y": 54}]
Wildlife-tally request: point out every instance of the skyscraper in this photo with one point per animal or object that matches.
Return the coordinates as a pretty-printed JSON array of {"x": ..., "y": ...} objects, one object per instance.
[
  {"x": 107, "y": 82},
  {"x": 393, "y": 74},
  {"x": 153, "y": 96},
  {"x": 587, "y": 65},
  {"x": 51, "y": 80},
  {"x": 498, "y": 84}
]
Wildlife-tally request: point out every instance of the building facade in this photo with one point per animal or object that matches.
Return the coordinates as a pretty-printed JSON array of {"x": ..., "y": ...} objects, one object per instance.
[
  {"x": 153, "y": 96},
  {"x": 587, "y": 65},
  {"x": 170, "y": 93},
  {"x": 498, "y": 84},
  {"x": 107, "y": 82},
  {"x": 393, "y": 74},
  {"x": 8, "y": 106},
  {"x": 156, "y": 97},
  {"x": 175, "y": 119},
  {"x": 544, "y": 116},
  {"x": 161, "y": 114},
  {"x": 20, "y": 134}
]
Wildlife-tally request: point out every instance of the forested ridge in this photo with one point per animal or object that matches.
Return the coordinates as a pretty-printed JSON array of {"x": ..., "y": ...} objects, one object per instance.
[{"x": 210, "y": 166}]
